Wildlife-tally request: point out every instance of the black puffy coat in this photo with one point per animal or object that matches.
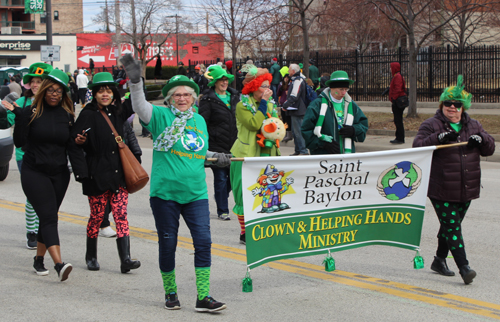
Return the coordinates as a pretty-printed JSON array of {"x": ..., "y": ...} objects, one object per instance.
[
  {"x": 455, "y": 171},
  {"x": 103, "y": 160},
  {"x": 221, "y": 121}
]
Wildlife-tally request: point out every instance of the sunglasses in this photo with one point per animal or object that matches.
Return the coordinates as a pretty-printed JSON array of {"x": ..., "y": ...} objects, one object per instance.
[{"x": 450, "y": 103}]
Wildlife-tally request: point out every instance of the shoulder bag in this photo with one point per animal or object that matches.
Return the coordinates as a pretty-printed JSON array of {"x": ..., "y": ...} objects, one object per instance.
[
  {"x": 402, "y": 102},
  {"x": 135, "y": 175}
]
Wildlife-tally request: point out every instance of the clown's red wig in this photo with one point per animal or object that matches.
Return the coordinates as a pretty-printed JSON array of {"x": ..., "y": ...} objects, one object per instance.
[{"x": 254, "y": 85}]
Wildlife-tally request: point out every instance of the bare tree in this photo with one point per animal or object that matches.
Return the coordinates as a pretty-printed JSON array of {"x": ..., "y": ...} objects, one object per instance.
[
  {"x": 142, "y": 24},
  {"x": 420, "y": 19},
  {"x": 233, "y": 20},
  {"x": 275, "y": 34},
  {"x": 472, "y": 27}
]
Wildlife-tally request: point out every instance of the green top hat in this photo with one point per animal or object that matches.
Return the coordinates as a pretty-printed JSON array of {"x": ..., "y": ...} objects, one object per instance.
[
  {"x": 103, "y": 78},
  {"x": 37, "y": 70},
  {"x": 217, "y": 72},
  {"x": 339, "y": 77},
  {"x": 179, "y": 80},
  {"x": 59, "y": 77}
]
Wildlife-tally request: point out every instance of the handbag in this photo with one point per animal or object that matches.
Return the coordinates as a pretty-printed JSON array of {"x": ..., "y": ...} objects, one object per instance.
[
  {"x": 402, "y": 102},
  {"x": 135, "y": 175}
]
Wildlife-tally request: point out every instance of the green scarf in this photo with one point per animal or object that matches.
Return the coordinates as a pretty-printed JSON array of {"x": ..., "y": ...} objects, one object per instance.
[{"x": 172, "y": 134}]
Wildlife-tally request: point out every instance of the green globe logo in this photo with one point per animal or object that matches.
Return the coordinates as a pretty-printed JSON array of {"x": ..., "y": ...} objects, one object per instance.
[{"x": 399, "y": 181}]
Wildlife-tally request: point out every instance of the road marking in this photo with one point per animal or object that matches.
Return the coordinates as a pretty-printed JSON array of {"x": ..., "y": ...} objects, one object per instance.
[{"x": 406, "y": 291}]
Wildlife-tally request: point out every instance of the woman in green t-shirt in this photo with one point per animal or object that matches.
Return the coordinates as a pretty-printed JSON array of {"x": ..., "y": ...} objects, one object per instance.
[{"x": 178, "y": 186}]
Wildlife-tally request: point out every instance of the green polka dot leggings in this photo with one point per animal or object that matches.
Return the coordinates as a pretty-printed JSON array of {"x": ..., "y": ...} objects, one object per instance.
[{"x": 451, "y": 215}]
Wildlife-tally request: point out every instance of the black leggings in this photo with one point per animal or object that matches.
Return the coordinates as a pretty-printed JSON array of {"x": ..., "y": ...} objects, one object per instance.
[
  {"x": 451, "y": 215},
  {"x": 46, "y": 193}
]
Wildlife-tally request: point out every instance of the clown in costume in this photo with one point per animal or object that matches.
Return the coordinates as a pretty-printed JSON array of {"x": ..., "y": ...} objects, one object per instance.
[
  {"x": 255, "y": 106},
  {"x": 455, "y": 177},
  {"x": 271, "y": 188},
  {"x": 333, "y": 121}
]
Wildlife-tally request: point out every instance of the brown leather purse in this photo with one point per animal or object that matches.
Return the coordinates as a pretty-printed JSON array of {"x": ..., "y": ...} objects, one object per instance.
[{"x": 135, "y": 175}]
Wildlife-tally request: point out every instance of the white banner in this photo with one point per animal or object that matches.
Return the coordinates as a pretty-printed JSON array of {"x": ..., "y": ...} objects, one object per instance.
[{"x": 303, "y": 201}]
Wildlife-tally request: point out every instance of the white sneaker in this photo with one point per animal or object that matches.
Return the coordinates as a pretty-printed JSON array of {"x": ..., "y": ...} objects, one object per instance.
[{"x": 107, "y": 232}]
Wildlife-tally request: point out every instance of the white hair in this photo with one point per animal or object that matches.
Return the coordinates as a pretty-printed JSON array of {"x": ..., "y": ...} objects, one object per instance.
[
  {"x": 171, "y": 92},
  {"x": 294, "y": 67}
]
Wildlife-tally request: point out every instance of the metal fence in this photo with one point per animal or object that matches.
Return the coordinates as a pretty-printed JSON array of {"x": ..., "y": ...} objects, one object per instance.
[{"x": 437, "y": 68}]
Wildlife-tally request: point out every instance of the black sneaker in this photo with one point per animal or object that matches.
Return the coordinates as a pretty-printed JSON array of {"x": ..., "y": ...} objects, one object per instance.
[
  {"x": 63, "y": 270},
  {"x": 243, "y": 239},
  {"x": 172, "y": 302},
  {"x": 40, "y": 269},
  {"x": 209, "y": 304},
  {"x": 31, "y": 242}
]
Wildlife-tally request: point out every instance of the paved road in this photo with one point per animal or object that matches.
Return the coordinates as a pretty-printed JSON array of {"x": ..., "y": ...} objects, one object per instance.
[{"x": 374, "y": 283}]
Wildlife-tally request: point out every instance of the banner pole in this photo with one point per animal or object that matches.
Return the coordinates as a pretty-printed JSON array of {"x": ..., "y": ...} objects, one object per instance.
[
  {"x": 444, "y": 146},
  {"x": 232, "y": 159}
]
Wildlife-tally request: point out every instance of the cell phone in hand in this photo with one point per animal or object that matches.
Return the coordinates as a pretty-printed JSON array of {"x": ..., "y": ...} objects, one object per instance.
[{"x": 85, "y": 132}]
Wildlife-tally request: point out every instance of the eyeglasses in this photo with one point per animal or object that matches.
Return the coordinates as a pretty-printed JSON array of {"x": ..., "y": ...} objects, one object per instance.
[
  {"x": 450, "y": 103},
  {"x": 51, "y": 91},
  {"x": 265, "y": 86},
  {"x": 184, "y": 96}
]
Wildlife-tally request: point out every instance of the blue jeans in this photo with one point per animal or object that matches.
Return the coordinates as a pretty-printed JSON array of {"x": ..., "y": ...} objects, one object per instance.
[
  {"x": 300, "y": 143},
  {"x": 274, "y": 88},
  {"x": 196, "y": 215},
  {"x": 222, "y": 188}
]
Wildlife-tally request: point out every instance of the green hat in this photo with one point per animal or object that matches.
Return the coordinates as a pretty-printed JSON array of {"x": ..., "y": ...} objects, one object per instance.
[
  {"x": 37, "y": 70},
  {"x": 301, "y": 65},
  {"x": 216, "y": 72},
  {"x": 457, "y": 93},
  {"x": 60, "y": 77},
  {"x": 339, "y": 78},
  {"x": 103, "y": 78},
  {"x": 179, "y": 80}
]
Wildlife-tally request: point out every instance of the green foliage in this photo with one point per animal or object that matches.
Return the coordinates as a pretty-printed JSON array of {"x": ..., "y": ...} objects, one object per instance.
[{"x": 167, "y": 72}]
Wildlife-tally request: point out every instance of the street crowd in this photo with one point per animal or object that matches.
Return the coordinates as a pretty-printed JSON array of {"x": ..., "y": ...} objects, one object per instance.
[{"x": 205, "y": 122}]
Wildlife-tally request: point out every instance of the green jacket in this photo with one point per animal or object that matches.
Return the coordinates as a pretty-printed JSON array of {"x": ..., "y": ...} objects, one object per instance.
[
  {"x": 314, "y": 74},
  {"x": 249, "y": 125},
  {"x": 275, "y": 71},
  {"x": 330, "y": 127}
]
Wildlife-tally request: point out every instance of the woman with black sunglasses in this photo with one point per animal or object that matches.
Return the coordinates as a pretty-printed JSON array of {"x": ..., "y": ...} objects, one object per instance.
[{"x": 455, "y": 173}]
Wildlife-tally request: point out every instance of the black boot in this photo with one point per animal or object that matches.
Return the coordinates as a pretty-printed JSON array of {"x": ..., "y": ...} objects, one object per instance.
[
  {"x": 91, "y": 255},
  {"x": 467, "y": 273},
  {"x": 123, "y": 245},
  {"x": 439, "y": 266}
]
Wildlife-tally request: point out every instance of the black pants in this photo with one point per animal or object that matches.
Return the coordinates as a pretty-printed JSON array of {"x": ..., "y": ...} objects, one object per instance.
[
  {"x": 451, "y": 215},
  {"x": 46, "y": 193},
  {"x": 81, "y": 95},
  {"x": 398, "y": 121}
]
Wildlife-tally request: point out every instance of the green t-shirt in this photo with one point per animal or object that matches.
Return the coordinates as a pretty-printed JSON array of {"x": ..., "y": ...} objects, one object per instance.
[
  {"x": 11, "y": 117},
  {"x": 456, "y": 126},
  {"x": 225, "y": 99},
  {"x": 179, "y": 173}
]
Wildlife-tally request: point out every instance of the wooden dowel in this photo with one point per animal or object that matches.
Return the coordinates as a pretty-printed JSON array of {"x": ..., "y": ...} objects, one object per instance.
[
  {"x": 232, "y": 159},
  {"x": 444, "y": 146}
]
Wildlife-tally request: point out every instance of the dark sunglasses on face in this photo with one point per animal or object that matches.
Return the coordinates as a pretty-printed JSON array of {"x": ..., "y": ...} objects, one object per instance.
[{"x": 450, "y": 103}]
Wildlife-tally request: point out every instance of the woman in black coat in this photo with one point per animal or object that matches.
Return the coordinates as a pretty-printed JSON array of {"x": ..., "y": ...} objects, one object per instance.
[
  {"x": 43, "y": 130},
  {"x": 106, "y": 182},
  {"x": 218, "y": 107}
]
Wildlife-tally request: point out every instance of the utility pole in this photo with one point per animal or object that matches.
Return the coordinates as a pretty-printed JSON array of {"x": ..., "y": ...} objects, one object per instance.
[
  {"x": 48, "y": 23},
  {"x": 118, "y": 31},
  {"x": 177, "y": 37}
]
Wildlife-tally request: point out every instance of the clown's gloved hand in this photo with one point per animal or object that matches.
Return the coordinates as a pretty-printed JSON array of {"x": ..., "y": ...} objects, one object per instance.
[
  {"x": 475, "y": 141},
  {"x": 223, "y": 159},
  {"x": 290, "y": 181},
  {"x": 256, "y": 192},
  {"x": 348, "y": 131},
  {"x": 132, "y": 68},
  {"x": 446, "y": 137}
]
